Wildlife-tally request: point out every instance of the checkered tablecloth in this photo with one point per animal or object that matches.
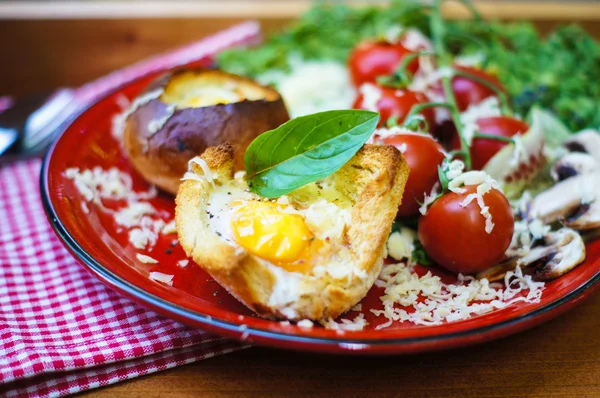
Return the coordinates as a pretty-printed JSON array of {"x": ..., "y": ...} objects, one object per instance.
[{"x": 61, "y": 330}]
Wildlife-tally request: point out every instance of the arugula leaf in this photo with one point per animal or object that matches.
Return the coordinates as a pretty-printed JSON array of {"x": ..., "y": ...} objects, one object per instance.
[{"x": 306, "y": 149}]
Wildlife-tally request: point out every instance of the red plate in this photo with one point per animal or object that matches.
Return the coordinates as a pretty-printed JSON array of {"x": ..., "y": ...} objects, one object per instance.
[{"x": 195, "y": 299}]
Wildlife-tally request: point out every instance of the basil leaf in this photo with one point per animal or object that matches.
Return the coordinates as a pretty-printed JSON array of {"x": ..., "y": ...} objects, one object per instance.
[{"x": 305, "y": 149}]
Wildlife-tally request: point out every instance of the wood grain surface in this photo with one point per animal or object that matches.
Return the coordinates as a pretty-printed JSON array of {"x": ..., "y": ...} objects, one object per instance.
[
  {"x": 558, "y": 359},
  {"x": 40, "y": 55}
]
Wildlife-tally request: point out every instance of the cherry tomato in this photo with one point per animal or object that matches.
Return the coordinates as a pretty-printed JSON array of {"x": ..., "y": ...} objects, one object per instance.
[
  {"x": 467, "y": 91},
  {"x": 423, "y": 155},
  {"x": 483, "y": 149},
  {"x": 396, "y": 103},
  {"x": 369, "y": 60},
  {"x": 455, "y": 236}
]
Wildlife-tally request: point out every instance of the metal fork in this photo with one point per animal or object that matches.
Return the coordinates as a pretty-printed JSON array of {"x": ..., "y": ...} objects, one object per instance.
[{"x": 29, "y": 126}]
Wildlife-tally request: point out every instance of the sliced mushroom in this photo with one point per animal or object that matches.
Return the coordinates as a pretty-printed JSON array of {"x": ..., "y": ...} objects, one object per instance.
[
  {"x": 497, "y": 272},
  {"x": 557, "y": 254},
  {"x": 560, "y": 252},
  {"x": 586, "y": 217},
  {"x": 557, "y": 201},
  {"x": 587, "y": 141},
  {"x": 573, "y": 164},
  {"x": 575, "y": 199}
]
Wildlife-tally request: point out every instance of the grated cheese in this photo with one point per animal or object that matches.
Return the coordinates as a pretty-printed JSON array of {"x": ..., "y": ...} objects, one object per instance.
[
  {"x": 429, "y": 199},
  {"x": 169, "y": 228},
  {"x": 484, "y": 183},
  {"x": 183, "y": 263},
  {"x": 371, "y": 96},
  {"x": 305, "y": 324},
  {"x": 400, "y": 244},
  {"x": 208, "y": 174},
  {"x": 132, "y": 214},
  {"x": 382, "y": 133},
  {"x": 355, "y": 324},
  {"x": 160, "y": 277},
  {"x": 454, "y": 169},
  {"x": 146, "y": 259},
  {"x": 138, "y": 216},
  {"x": 487, "y": 108},
  {"x": 538, "y": 229},
  {"x": 141, "y": 238},
  {"x": 416, "y": 41},
  {"x": 312, "y": 86},
  {"x": 447, "y": 302}
]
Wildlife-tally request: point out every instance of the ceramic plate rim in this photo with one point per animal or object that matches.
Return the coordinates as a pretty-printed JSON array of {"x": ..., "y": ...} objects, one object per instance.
[{"x": 168, "y": 308}]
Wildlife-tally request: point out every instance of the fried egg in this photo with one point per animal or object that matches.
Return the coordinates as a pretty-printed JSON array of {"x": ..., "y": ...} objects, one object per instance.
[{"x": 310, "y": 254}]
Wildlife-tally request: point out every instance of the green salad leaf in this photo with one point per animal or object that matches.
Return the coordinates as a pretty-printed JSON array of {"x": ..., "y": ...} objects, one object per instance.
[
  {"x": 305, "y": 149},
  {"x": 325, "y": 32},
  {"x": 557, "y": 72}
]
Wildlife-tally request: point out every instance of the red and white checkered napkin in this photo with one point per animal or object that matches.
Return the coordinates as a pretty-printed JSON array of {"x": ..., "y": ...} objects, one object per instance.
[{"x": 61, "y": 330}]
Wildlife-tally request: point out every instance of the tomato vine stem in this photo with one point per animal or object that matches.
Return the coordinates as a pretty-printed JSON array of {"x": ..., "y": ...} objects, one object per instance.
[
  {"x": 494, "y": 137},
  {"x": 420, "y": 107},
  {"x": 438, "y": 32},
  {"x": 504, "y": 105}
]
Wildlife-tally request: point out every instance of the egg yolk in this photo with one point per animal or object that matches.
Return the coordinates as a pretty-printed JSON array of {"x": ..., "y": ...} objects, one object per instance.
[{"x": 266, "y": 231}]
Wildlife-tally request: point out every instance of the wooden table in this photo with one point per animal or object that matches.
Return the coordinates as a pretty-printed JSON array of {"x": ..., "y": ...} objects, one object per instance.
[{"x": 560, "y": 358}]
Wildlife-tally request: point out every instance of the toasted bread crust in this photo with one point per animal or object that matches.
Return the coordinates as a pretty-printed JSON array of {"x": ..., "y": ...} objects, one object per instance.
[
  {"x": 373, "y": 179},
  {"x": 160, "y": 139}
]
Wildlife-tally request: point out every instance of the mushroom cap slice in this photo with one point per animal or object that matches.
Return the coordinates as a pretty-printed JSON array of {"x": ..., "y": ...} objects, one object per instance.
[
  {"x": 586, "y": 217},
  {"x": 498, "y": 271},
  {"x": 573, "y": 164},
  {"x": 560, "y": 252},
  {"x": 559, "y": 200},
  {"x": 587, "y": 141},
  {"x": 575, "y": 199}
]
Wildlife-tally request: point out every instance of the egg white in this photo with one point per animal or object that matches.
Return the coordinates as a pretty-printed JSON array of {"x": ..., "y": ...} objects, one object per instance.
[{"x": 327, "y": 214}]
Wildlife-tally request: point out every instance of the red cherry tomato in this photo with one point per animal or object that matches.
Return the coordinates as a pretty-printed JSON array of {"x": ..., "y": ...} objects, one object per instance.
[
  {"x": 467, "y": 91},
  {"x": 455, "y": 236},
  {"x": 369, "y": 60},
  {"x": 483, "y": 149},
  {"x": 423, "y": 155},
  {"x": 396, "y": 103}
]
